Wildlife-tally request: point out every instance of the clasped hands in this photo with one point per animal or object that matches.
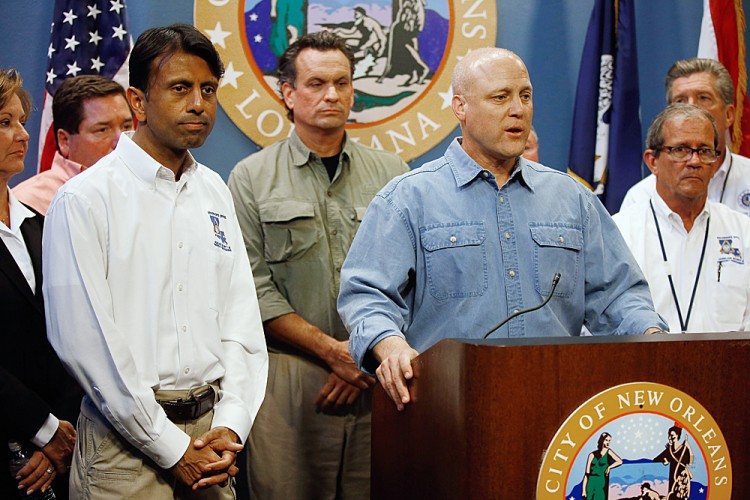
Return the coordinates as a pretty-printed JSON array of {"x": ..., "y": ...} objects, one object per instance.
[
  {"x": 345, "y": 381},
  {"x": 54, "y": 458},
  {"x": 209, "y": 460}
]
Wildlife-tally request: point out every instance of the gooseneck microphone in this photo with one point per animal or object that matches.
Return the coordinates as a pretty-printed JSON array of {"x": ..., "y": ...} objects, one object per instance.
[{"x": 555, "y": 281}]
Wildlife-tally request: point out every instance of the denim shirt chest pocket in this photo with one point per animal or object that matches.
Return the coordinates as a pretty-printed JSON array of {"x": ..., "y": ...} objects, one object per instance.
[
  {"x": 290, "y": 229},
  {"x": 455, "y": 259},
  {"x": 557, "y": 249}
]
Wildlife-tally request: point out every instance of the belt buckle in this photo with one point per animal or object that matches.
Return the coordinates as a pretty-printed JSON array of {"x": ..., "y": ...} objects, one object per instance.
[
  {"x": 203, "y": 402},
  {"x": 173, "y": 408},
  {"x": 191, "y": 408}
]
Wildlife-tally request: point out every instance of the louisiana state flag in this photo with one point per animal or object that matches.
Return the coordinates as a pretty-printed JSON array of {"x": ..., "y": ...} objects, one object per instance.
[{"x": 605, "y": 146}]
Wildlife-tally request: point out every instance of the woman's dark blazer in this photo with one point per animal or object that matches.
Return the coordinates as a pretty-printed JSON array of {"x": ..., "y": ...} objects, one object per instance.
[{"x": 33, "y": 381}]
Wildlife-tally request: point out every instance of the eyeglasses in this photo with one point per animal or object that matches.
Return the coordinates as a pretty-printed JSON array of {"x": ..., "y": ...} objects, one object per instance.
[{"x": 684, "y": 153}]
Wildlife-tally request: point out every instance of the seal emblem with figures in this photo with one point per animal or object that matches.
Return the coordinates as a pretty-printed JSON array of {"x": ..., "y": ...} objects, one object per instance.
[
  {"x": 637, "y": 440},
  {"x": 404, "y": 50}
]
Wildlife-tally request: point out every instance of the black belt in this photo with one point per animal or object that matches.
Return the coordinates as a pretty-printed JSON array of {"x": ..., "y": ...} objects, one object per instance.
[{"x": 195, "y": 406}]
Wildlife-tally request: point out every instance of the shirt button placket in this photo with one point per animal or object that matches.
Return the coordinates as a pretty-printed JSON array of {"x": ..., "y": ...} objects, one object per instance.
[{"x": 509, "y": 252}]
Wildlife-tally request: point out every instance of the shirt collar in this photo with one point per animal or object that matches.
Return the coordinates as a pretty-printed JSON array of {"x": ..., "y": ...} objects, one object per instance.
[
  {"x": 144, "y": 166},
  {"x": 663, "y": 211},
  {"x": 301, "y": 153},
  {"x": 18, "y": 213},
  {"x": 465, "y": 169},
  {"x": 724, "y": 168},
  {"x": 68, "y": 167}
]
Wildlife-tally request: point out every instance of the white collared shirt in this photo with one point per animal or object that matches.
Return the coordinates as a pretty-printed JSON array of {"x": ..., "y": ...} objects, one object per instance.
[
  {"x": 13, "y": 239},
  {"x": 722, "y": 299},
  {"x": 148, "y": 286},
  {"x": 734, "y": 193}
]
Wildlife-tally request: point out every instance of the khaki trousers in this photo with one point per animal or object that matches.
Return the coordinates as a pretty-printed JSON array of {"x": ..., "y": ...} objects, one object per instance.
[
  {"x": 296, "y": 453},
  {"x": 106, "y": 466}
]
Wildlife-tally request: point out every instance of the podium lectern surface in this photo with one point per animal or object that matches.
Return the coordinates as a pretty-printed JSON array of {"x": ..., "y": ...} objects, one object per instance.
[{"x": 484, "y": 412}]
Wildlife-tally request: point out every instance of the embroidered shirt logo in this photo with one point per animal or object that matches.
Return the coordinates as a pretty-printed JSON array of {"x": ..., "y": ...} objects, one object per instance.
[
  {"x": 728, "y": 252},
  {"x": 221, "y": 239},
  {"x": 744, "y": 199}
]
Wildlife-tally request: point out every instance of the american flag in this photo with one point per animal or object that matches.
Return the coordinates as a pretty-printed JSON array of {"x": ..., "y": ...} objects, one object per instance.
[{"x": 88, "y": 37}]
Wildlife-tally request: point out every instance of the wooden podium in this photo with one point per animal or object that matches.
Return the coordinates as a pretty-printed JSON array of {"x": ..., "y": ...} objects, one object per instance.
[{"x": 484, "y": 412}]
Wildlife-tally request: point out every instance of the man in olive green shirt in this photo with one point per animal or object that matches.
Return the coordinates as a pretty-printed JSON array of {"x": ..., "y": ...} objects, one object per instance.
[{"x": 299, "y": 203}]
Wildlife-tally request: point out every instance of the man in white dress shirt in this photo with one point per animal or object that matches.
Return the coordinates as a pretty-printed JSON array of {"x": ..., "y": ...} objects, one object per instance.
[
  {"x": 707, "y": 84},
  {"x": 693, "y": 251},
  {"x": 146, "y": 284}
]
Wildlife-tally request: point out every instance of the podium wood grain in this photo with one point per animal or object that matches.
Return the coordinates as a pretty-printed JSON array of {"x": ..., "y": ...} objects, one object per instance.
[{"x": 483, "y": 413}]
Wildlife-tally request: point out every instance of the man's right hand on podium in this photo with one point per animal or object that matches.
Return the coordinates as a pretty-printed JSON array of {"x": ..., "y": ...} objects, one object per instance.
[{"x": 395, "y": 355}]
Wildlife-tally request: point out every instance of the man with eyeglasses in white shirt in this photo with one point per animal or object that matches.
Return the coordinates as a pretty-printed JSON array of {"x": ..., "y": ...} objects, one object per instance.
[
  {"x": 706, "y": 83},
  {"x": 692, "y": 250}
]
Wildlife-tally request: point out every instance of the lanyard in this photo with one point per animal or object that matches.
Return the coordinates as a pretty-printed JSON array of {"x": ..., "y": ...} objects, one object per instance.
[
  {"x": 726, "y": 177},
  {"x": 683, "y": 325}
]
